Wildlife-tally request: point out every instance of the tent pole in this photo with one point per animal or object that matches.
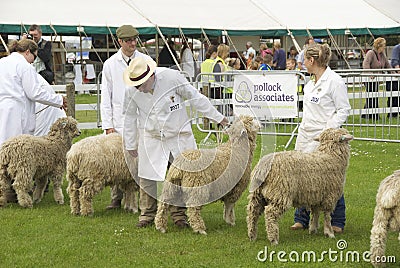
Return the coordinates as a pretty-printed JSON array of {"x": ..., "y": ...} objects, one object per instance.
[
  {"x": 337, "y": 47},
  {"x": 298, "y": 48},
  {"x": 358, "y": 44},
  {"x": 206, "y": 37}
]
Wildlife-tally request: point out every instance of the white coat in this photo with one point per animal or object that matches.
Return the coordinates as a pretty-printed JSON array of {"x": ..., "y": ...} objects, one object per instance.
[
  {"x": 161, "y": 121},
  {"x": 46, "y": 115},
  {"x": 19, "y": 90},
  {"x": 188, "y": 63},
  {"x": 113, "y": 91},
  {"x": 326, "y": 105}
]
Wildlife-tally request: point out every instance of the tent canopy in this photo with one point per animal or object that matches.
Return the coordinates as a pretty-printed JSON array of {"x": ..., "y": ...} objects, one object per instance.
[{"x": 237, "y": 17}]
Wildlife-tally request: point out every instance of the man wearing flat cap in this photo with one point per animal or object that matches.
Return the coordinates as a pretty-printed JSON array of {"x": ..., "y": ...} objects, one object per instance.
[
  {"x": 155, "y": 111},
  {"x": 113, "y": 90}
]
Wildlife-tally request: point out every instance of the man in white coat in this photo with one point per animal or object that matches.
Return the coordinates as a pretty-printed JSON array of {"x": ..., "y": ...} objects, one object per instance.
[
  {"x": 113, "y": 90},
  {"x": 157, "y": 127}
]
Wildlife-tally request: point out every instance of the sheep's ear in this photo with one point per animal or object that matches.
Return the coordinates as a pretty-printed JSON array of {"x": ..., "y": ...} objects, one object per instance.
[
  {"x": 63, "y": 124},
  {"x": 346, "y": 137},
  {"x": 316, "y": 138}
]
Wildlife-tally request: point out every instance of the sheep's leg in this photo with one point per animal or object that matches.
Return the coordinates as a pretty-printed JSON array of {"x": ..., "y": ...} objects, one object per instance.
[
  {"x": 255, "y": 208},
  {"x": 379, "y": 234},
  {"x": 5, "y": 187},
  {"x": 313, "y": 228},
  {"x": 328, "y": 231},
  {"x": 57, "y": 191},
  {"x": 39, "y": 189},
  {"x": 229, "y": 213},
  {"x": 161, "y": 218},
  {"x": 22, "y": 185},
  {"x": 195, "y": 220},
  {"x": 73, "y": 192},
  {"x": 130, "y": 194},
  {"x": 90, "y": 187},
  {"x": 272, "y": 215}
]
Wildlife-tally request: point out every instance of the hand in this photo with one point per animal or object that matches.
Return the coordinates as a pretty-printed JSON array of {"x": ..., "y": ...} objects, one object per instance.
[
  {"x": 65, "y": 103},
  {"x": 133, "y": 153},
  {"x": 224, "y": 122},
  {"x": 110, "y": 130}
]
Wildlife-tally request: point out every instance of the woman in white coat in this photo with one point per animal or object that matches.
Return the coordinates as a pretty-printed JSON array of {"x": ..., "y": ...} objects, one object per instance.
[
  {"x": 155, "y": 111},
  {"x": 20, "y": 89}
]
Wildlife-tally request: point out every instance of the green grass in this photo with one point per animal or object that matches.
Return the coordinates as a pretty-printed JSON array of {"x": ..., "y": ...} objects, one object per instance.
[{"x": 49, "y": 236}]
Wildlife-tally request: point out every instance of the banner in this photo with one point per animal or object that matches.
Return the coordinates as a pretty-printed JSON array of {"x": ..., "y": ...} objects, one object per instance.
[{"x": 266, "y": 96}]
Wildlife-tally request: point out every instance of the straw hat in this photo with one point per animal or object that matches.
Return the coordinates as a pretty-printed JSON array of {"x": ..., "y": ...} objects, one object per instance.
[{"x": 138, "y": 71}]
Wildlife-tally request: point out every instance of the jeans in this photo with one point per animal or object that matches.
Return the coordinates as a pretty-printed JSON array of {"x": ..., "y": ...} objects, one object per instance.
[{"x": 302, "y": 216}]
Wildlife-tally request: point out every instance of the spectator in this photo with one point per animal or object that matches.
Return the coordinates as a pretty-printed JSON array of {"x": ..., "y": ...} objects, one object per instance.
[
  {"x": 279, "y": 62},
  {"x": 208, "y": 64},
  {"x": 44, "y": 61},
  {"x": 293, "y": 53},
  {"x": 374, "y": 59},
  {"x": 234, "y": 63},
  {"x": 326, "y": 105},
  {"x": 249, "y": 50},
  {"x": 290, "y": 64},
  {"x": 113, "y": 90},
  {"x": 157, "y": 127},
  {"x": 20, "y": 89},
  {"x": 250, "y": 60},
  {"x": 300, "y": 58},
  {"x": 394, "y": 85},
  {"x": 165, "y": 59},
  {"x": 264, "y": 50},
  {"x": 267, "y": 62},
  {"x": 187, "y": 60}
]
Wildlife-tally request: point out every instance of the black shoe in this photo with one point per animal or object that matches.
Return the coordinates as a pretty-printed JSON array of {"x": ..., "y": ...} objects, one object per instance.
[
  {"x": 115, "y": 203},
  {"x": 181, "y": 224},
  {"x": 144, "y": 224}
]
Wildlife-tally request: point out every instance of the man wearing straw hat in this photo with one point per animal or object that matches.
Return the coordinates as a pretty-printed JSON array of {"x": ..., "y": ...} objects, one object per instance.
[
  {"x": 113, "y": 90},
  {"x": 155, "y": 111}
]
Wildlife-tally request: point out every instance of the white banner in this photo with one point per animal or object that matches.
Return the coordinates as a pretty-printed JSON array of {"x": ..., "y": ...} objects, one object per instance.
[{"x": 266, "y": 96}]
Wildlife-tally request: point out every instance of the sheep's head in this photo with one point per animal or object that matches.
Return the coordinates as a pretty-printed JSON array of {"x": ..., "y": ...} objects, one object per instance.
[
  {"x": 66, "y": 125},
  {"x": 243, "y": 126},
  {"x": 334, "y": 135}
]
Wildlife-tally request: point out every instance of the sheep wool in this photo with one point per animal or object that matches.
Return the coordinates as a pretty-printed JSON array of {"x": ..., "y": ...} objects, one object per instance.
[
  {"x": 198, "y": 177},
  {"x": 386, "y": 217},
  {"x": 314, "y": 180},
  {"x": 26, "y": 159},
  {"x": 96, "y": 162}
]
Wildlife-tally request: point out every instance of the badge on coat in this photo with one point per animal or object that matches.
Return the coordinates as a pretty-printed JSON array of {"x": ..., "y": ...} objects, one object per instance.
[{"x": 173, "y": 106}]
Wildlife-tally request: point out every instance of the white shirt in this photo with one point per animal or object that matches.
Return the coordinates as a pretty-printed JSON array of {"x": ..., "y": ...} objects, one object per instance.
[
  {"x": 161, "y": 121},
  {"x": 113, "y": 90},
  {"x": 19, "y": 89},
  {"x": 326, "y": 105},
  {"x": 188, "y": 62},
  {"x": 247, "y": 53}
]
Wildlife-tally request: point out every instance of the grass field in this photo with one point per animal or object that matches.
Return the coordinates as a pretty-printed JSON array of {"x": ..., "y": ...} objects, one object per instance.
[{"x": 48, "y": 236}]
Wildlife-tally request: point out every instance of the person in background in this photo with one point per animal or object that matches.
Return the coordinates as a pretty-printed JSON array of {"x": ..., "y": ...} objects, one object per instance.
[
  {"x": 250, "y": 60},
  {"x": 394, "y": 85},
  {"x": 44, "y": 61},
  {"x": 264, "y": 50},
  {"x": 290, "y": 64},
  {"x": 249, "y": 50},
  {"x": 20, "y": 89},
  {"x": 374, "y": 59},
  {"x": 267, "y": 62},
  {"x": 279, "y": 62},
  {"x": 187, "y": 60},
  {"x": 113, "y": 90},
  {"x": 326, "y": 105},
  {"x": 293, "y": 53},
  {"x": 300, "y": 58},
  {"x": 157, "y": 127},
  {"x": 165, "y": 59},
  {"x": 234, "y": 63}
]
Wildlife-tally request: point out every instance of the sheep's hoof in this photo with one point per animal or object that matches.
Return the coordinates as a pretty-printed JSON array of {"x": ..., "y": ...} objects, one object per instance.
[
  {"x": 35, "y": 201},
  {"x": 330, "y": 235},
  {"x": 252, "y": 237},
  {"x": 312, "y": 231},
  {"x": 202, "y": 232},
  {"x": 162, "y": 230},
  {"x": 60, "y": 202},
  {"x": 274, "y": 242}
]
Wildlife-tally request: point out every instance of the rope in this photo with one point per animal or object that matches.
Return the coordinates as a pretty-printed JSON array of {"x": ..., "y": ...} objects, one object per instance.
[
  {"x": 115, "y": 42},
  {"x": 206, "y": 37},
  {"x": 297, "y": 46},
  {"x": 358, "y": 44},
  {"x": 230, "y": 42},
  {"x": 337, "y": 47}
]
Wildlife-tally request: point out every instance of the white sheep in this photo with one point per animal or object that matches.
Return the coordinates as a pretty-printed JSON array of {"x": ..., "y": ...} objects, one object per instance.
[
  {"x": 198, "y": 177},
  {"x": 96, "y": 162},
  {"x": 386, "y": 216},
  {"x": 26, "y": 159},
  {"x": 314, "y": 180}
]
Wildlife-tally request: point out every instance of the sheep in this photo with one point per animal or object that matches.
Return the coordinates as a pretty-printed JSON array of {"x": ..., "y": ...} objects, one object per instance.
[
  {"x": 292, "y": 178},
  {"x": 386, "y": 216},
  {"x": 201, "y": 176},
  {"x": 26, "y": 159},
  {"x": 96, "y": 162}
]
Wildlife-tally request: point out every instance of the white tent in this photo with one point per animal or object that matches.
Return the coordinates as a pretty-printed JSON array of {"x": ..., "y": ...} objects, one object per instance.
[{"x": 237, "y": 17}]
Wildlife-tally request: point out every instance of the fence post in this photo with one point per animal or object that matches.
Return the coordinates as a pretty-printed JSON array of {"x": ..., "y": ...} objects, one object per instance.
[
  {"x": 70, "y": 90},
  {"x": 206, "y": 121}
]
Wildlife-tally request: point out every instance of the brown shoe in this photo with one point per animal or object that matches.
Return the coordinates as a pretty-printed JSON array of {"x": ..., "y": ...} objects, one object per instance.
[
  {"x": 143, "y": 224},
  {"x": 181, "y": 224},
  {"x": 337, "y": 230},
  {"x": 297, "y": 226},
  {"x": 115, "y": 203}
]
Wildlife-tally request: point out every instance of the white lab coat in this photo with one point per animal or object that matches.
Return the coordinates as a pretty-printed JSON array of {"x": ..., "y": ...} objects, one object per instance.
[
  {"x": 326, "y": 105},
  {"x": 19, "y": 89},
  {"x": 113, "y": 91},
  {"x": 161, "y": 121},
  {"x": 46, "y": 115},
  {"x": 188, "y": 62}
]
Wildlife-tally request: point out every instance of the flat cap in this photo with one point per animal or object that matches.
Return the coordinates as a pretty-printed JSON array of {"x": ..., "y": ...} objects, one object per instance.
[{"x": 126, "y": 31}]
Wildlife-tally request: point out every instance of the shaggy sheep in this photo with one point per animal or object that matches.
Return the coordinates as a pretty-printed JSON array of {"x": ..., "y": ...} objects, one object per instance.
[
  {"x": 26, "y": 159},
  {"x": 96, "y": 162},
  {"x": 386, "y": 216},
  {"x": 206, "y": 175},
  {"x": 293, "y": 178}
]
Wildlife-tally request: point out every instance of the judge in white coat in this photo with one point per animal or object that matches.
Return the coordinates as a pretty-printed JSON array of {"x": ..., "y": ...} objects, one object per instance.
[
  {"x": 20, "y": 89},
  {"x": 157, "y": 127}
]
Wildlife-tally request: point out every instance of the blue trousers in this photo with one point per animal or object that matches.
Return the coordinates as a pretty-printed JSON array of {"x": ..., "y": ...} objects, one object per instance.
[{"x": 302, "y": 216}]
